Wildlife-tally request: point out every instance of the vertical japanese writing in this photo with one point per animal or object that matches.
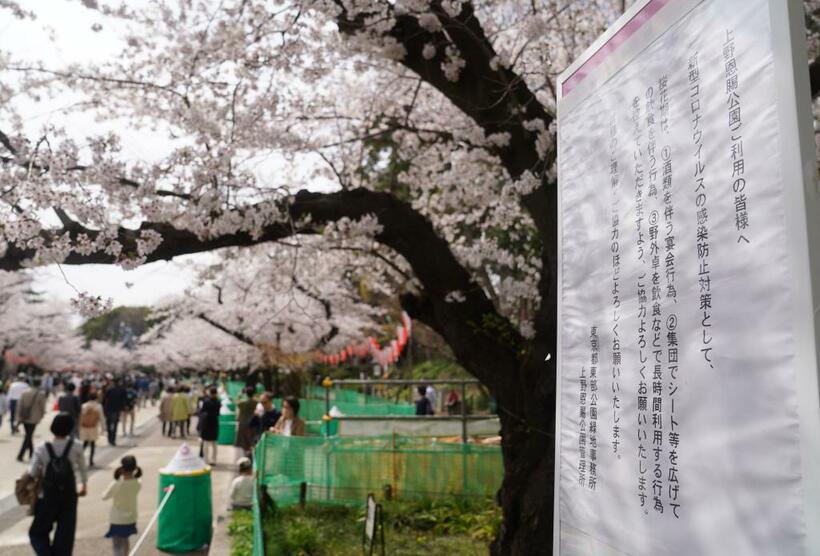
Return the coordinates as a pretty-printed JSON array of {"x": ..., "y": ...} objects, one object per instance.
[
  {"x": 637, "y": 155},
  {"x": 663, "y": 103},
  {"x": 702, "y": 212},
  {"x": 592, "y": 426},
  {"x": 738, "y": 178},
  {"x": 643, "y": 465},
  {"x": 672, "y": 481},
  {"x": 615, "y": 248},
  {"x": 582, "y": 427},
  {"x": 656, "y": 316}
]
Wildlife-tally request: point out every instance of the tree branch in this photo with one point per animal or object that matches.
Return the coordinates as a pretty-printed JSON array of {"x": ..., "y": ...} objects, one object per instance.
[{"x": 235, "y": 333}]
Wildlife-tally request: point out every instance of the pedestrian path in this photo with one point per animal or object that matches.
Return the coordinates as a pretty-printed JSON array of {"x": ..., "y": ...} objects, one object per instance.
[{"x": 153, "y": 451}]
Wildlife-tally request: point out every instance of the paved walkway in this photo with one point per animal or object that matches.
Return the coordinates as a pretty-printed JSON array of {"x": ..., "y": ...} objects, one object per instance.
[{"x": 152, "y": 450}]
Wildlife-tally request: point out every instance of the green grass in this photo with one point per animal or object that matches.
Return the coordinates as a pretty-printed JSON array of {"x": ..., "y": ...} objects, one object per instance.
[
  {"x": 452, "y": 527},
  {"x": 240, "y": 529}
]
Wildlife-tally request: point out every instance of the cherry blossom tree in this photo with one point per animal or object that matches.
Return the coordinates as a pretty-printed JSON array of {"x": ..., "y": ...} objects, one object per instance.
[
  {"x": 423, "y": 128},
  {"x": 34, "y": 325}
]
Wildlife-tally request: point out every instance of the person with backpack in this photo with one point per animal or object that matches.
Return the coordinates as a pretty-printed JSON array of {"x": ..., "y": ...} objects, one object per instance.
[
  {"x": 30, "y": 411},
  {"x": 123, "y": 491},
  {"x": 56, "y": 464},
  {"x": 91, "y": 425},
  {"x": 69, "y": 402}
]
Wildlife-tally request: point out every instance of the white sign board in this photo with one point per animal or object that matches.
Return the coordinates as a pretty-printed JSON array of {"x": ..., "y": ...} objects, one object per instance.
[{"x": 688, "y": 396}]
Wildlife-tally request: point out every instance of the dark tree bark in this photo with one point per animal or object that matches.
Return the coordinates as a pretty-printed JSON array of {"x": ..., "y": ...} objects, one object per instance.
[
  {"x": 814, "y": 77},
  {"x": 500, "y": 101}
]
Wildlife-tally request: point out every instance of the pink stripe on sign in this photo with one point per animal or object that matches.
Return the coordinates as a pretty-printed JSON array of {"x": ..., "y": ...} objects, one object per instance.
[{"x": 612, "y": 44}]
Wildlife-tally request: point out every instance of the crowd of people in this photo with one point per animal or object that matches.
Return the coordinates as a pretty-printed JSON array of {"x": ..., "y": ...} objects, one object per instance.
[
  {"x": 97, "y": 403},
  {"x": 90, "y": 406}
]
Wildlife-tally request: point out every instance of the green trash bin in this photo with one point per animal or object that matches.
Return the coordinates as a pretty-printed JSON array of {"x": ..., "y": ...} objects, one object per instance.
[
  {"x": 185, "y": 523},
  {"x": 227, "y": 430}
]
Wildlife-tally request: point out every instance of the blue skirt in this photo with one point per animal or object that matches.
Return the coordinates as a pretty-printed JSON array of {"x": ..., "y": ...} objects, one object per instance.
[{"x": 121, "y": 531}]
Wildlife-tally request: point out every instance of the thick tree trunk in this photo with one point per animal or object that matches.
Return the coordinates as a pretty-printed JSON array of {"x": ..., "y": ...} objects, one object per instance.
[
  {"x": 526, "y": 494},
  {"x": 527, "y": 499}
]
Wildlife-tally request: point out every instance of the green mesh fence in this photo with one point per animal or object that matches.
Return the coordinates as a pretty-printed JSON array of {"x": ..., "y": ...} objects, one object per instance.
[
  {"x": 258, "y": 531},
  {"x": 345, "y": 470},
  {"x": 312, "y": 410},
  {"x": 345, "y": 395},
  {"x": 347, "y": 401}
]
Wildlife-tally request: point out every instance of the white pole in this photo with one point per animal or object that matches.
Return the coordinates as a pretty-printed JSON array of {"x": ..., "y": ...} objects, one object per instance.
[{"x": 153, "y": 519}]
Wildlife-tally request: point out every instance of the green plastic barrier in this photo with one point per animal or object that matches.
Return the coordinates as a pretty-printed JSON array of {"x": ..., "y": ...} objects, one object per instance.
[
  {"x": 313, "y": 410},
  {"x": 343, "y": 470},
  {"x": 227, "y": 430},
  {"x": 184, "y": 525}
]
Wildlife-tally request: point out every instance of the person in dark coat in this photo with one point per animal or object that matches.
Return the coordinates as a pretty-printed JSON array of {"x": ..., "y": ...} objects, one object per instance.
[
  {"x": 244, "y": 413},
  {"x": 69, "y": 403},
  {"x": 115, "y": 401},
  {"x": 209, "y": 424},
  {"x": 423, "y": 405},
  {"x": 270, "y": 415}
]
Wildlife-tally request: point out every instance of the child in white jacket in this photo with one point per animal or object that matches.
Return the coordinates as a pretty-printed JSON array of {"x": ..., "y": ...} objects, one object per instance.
[{"x": 123, "y": 490}]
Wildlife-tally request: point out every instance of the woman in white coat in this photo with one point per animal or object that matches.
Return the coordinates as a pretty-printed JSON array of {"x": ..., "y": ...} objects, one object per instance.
[{"x": 92, "y": 424}]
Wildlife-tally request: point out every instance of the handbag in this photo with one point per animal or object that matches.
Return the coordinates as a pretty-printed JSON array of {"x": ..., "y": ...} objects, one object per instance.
[{"x": 26, "y": 489}]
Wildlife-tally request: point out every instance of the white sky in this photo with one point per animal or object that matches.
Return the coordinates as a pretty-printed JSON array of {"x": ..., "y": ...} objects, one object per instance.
[{"x": 73, "y": 40}]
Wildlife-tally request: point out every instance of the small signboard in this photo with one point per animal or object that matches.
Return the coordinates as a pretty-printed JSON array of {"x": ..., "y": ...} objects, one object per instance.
[{"x": 373, "y": 528}]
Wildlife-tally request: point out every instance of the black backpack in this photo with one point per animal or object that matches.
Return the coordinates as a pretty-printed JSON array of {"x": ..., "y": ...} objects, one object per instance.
[{"x": 59, "y": 476}]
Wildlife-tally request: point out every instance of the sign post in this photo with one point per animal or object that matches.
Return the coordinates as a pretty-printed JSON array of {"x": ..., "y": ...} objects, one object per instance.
[
  {"x": 689, "y": 273},
  {"x": 373, "y": 534}
]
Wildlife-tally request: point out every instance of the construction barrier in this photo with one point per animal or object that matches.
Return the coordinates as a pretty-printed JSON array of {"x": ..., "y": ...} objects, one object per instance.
[{"x": 343, "y": 470}]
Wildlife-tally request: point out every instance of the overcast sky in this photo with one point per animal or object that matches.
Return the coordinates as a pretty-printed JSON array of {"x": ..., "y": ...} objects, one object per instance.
[{"x": 72, "y": 39}]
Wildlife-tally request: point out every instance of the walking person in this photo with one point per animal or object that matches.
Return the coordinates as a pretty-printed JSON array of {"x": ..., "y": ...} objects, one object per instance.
[
  {"x": 245, "y": 411},
  {"x": 179, "y": 411},
  {"x": 165, "y": 411},
  {"x": 209, "y": 426},
  {"x": 30, "y": 411},
  {"x": 85, "y": 390},
  {"x": 16, "y": 390},
  {"x": 55, "y": 464},
  {"x": 69, "y": 402},
  {"x": 193, "y": 402},
  {"x": 92, "y": 424},
  {"x": 114, "y": 402},
  {"x": 4, "y": 405},
  {"x": 123, "y": 491},
  {"x": 129, "y": 414}
]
